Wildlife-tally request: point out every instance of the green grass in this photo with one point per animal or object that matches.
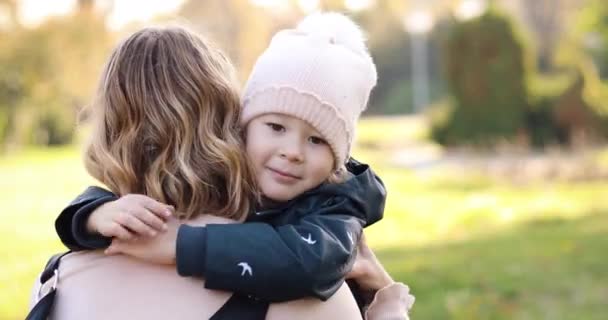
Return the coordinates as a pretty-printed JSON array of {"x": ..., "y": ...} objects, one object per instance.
[
  {"x": 468, "y": 246},
  {"x": 35, "y": 185},
  {"x": 550, "y": 269}
]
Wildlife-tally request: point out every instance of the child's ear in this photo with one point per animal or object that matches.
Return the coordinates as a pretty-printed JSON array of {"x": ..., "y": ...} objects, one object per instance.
[{"x": 338, "y": 175}]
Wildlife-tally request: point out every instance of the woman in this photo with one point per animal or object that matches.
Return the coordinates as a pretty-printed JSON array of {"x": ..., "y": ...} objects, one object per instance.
[{"x": 166, "y": 125}]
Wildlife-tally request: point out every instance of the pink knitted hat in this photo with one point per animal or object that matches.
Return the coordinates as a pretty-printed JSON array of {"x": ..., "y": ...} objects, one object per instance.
[{"x": 320, "y": 72}]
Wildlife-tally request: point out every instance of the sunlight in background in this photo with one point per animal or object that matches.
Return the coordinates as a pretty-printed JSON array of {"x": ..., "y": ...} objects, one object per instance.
[
  {"x": 5, "y": 17},
  {"x": 33, "y": 12},
  {"x": 125, "y": 12},
  {"x": 419, "y": 21},
  {"x": 282, "y": 5},
  {"x": 277, "y": 5},
  {"x": 470, "y": 9},
  {"x": 308, "y": 5},
  {"x": 358, "y": 5}
]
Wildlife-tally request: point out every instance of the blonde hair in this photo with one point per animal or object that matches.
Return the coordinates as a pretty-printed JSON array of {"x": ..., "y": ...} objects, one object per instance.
[{"x": 166, "y": 124}]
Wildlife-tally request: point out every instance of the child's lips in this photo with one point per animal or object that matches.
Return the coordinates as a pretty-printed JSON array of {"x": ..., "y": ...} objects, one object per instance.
[{"x": 283, "y": 175}]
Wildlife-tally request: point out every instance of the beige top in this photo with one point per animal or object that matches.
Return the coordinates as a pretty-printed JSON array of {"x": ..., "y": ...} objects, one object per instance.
[{"x": 95, "y": 286}]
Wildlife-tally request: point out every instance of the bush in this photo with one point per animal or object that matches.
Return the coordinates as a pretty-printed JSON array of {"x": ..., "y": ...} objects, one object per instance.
[
  {"x": 540, "y": 123},
  {"x": 486, "y": 77},
  {"x": 55, "y": 126},
  {"x": 595, "y": 95},
  {"x": 46, "y": 74},
  {"x": 546, "y": 94},
  {"x": 439, "y": 115}
]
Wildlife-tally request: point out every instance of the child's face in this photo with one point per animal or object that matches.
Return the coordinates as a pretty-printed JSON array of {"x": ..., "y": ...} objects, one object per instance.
[{"x": 289, "y": 156}]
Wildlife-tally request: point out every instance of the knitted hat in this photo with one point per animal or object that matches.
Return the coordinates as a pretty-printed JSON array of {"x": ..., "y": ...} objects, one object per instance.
[{"x": 320, "y": 72}]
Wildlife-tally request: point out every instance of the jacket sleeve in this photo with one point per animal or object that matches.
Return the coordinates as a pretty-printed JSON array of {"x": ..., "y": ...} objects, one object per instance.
[
  {"x": 71, "y": 222},
  {"x": 367, "y": 194},
  {"x": 308, "y": 258}
]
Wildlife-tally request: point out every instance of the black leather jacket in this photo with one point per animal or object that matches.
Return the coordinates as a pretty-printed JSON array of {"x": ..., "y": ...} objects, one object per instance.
[{"x": 303, "y": 248}]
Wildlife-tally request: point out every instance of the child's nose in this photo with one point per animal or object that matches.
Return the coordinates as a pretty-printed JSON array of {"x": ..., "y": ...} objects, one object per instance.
[{"x": 293, "y": 153}]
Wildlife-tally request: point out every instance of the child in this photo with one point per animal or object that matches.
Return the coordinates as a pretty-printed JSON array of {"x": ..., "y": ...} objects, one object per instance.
[
  {"x": 170, "y": 89},
  {"x": 300, "y": 107}
]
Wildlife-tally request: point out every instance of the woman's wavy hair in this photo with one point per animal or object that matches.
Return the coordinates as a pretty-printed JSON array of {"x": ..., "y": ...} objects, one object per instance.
[{"x": 166, "y": 124}]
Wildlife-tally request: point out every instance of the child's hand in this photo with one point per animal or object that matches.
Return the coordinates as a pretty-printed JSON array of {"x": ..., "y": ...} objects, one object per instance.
[
  {"x": 390, "y": 299},
  {"x": 159, "y": 250},
  {"x": 130, "y": 216},
  {"x": 367, "y": 270}
]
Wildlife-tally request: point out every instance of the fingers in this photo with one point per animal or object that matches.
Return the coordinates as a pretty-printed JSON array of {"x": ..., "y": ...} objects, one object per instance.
[
  {"x": 143, "y": 215},
  {"x": 131, "y": 221},
  {"x": 111, "y": 250},
  {"x": 151, "y": 220},
  {"x": 159, "y": 209},
  {"x": 120, "y": 232},
  {"x": 114, "y": 248},
  {"x": 410, "y": 301}
]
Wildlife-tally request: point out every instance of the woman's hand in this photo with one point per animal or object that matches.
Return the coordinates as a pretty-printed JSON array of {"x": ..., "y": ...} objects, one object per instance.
[
  {"x": 159, "y": 249},
  {"x": 131, "y": 216}
]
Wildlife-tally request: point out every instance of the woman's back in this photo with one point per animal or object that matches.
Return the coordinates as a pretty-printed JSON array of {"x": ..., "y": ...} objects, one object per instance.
[{"x": 93, "y": 286}]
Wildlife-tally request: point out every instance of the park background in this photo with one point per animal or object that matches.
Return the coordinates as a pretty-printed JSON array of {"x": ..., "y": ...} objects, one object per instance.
[{"x": 488, "y": 126}]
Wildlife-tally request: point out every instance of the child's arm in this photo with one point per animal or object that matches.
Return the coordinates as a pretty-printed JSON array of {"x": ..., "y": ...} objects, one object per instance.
[
  {"x": 71, "y": 222},
  {"x": 273, "y": 264},
  {"x": 309, "y": 256},
  {"x": 97, "y": 215}
]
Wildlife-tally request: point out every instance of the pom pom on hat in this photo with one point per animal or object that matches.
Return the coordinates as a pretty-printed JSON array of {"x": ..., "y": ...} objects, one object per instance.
[{"x": 339, "y": 28}]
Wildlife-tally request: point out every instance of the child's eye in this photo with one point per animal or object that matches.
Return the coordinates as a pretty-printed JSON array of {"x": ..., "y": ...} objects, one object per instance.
[
  {"x": 317, "y": 140},
  {"x": 275, "y": 126}
]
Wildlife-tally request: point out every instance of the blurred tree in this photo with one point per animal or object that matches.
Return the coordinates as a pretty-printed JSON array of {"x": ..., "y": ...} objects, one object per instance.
[
  {"x": 589, "y": 56},
  {"x": 549, "y": 22},
  {"x": 244, "y": 30},
  {"x": 593, "y": 21},
  {"x": 9, "y": 87},
  {"x": 241, "y": 29},
  {"x": 48, "y": 73},
  {"x": 544, "y": 16},
  {"x": 389, "y": 45},
  {"x": 486, "y": 73}
]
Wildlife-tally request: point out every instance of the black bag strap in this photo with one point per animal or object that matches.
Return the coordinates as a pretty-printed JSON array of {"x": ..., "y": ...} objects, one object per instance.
[
  {"x": 242, "y": 307},
  {"x": 42, "y": 308}
]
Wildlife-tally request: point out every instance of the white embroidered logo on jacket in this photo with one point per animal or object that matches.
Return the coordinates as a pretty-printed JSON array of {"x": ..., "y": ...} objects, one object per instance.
[
  {"x": 350, "y": 237},
  {"x": 309, "y": 239},
  {"x": 246, "y": 268}
]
